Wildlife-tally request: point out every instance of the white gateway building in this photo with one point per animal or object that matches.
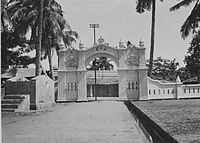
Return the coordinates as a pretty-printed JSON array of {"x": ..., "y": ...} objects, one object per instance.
[{"x": 127, "y": 81}]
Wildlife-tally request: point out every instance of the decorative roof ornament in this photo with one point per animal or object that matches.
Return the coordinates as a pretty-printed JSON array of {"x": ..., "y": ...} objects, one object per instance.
[
  {"x": 100, "y": 40},
  {"x": 81, "y": 46},
  {"x": 121, "y": 44},
  {"x": 178, "y": 80},
  {"x": 129, "y": 44},
  {"x": 141, "y": 44}
]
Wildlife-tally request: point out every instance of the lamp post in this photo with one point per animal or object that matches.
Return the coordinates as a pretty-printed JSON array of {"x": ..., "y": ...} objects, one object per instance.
[
  {"x": 95, "y": 79},
  {"x": 94, "y": 26}
]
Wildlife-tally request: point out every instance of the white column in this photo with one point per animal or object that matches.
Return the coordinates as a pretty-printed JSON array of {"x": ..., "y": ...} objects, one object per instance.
[
  {"x": 122, "y": 85},
  {"x": 143, "y": 94},
  {"x": 82, "y": 85},
  {"x": 91, "y": 91}
]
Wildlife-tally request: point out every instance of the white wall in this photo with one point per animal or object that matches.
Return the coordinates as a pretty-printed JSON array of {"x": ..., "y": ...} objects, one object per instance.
[{"x": 169, "y": 90}]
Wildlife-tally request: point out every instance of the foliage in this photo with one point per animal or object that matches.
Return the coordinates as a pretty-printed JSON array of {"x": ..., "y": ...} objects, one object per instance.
[
  {"x": 13, "y": 46},
  {"x": 164, "y": 69},
  {"x": 192, "y": 59},
  {"x": 143, "y": 5},
  {"x": 69, "y": 37},
  {"x": 5, "y": 21},
  {"x": 184, "y": 73},
  {"x": 191, "y": 23},
  {"x": 101, "y": 63},
  {"x": 25, "y": 17}
]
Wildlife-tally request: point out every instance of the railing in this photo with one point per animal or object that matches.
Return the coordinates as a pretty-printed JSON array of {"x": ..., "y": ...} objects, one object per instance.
[
  {"x": 168, "y": 90},
  {"x": 153, "y": 132},
  {"x": 190, "y": 91}
]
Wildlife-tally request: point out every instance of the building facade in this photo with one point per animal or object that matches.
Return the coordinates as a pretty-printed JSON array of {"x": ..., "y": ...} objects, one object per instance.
[{"x": 127, "y": 82}]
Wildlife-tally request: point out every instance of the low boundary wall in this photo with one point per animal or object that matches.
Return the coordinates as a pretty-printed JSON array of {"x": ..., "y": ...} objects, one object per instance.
[
  {"x": 169, "y": 90},
  {"x": 153, "y": 132},
  {"x": 40, "y": 89}
]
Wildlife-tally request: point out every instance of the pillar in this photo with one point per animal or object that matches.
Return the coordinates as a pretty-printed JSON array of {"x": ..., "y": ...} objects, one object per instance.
[
  {"x": 82, "y": 85},
  {"x": 122, "y": 85},
  {"x": 142, "y": 78}
]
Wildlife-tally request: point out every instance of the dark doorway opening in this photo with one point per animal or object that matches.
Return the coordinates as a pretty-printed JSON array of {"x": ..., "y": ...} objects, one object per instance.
[{"x": 105, "y": 90}]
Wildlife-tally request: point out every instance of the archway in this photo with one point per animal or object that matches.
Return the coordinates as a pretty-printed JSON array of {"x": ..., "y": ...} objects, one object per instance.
[
  {"x": 130, "y": 74},
  {"x": 102, "y": 78}
]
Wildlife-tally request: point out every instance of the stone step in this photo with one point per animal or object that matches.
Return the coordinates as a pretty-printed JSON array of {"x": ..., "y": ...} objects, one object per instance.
[
  {"x": 13, "y": 97},
  {"x": 7, "y": 110},
  {"x": 9, "y": 106},
  {"x": 11, "y": 101}
]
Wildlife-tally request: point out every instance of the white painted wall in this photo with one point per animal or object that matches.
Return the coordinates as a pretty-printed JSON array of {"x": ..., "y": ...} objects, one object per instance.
[{"x": 167, "y": 90}]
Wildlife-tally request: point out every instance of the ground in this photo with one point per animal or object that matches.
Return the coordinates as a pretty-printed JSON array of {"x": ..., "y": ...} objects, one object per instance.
[
  {"x": 87, "y": 122},
  {"x": 180, "y": 118}
]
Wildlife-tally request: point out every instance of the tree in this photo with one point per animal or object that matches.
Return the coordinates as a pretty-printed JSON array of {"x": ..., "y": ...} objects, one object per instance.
[
  {"x": 164, "y": 69},
  {"x": 192, "y": 59},
  {"x": 101, "y": 63},
  {"x": 192, "y": 21},
  {"x": 5, "y": 21},
  {"x": 143, "y": 5},
  {"x": 10, "y": 55},
  {"x": 184, "y": 73},
  {"x": 25, "y": 15},
  {"x": 39, "y": 47},
  {"x": 191, "y": 25},
  {"x": 69, "y": 37},
  {"x": 12, "y": 51}
]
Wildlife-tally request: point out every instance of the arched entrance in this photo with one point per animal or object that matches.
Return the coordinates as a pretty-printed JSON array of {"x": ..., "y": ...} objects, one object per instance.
[
  {"x": 102, "y": 78},
  {"x": 129, "y": 79}
]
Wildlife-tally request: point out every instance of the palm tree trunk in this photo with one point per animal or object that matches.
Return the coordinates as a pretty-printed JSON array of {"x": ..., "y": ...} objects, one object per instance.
[
  {"x": 38, "y": 48},
  {"x": 152, "y": 37},
  {"x": 50, "y": 64}
]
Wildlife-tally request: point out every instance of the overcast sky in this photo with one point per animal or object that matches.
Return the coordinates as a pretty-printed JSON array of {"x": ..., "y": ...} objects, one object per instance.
[{"x": 119, "y": 21}]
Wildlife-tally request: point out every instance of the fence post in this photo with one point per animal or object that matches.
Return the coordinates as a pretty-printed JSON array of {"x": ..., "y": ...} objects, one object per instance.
[{"x": 179, "y": 89}]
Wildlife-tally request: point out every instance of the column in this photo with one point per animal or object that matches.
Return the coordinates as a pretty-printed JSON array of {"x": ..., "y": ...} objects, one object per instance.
[
  {"x": 142, "y": 79},
  {"x": 122, "y": 85},
  {"x": 82, "y": 85},
  {"x": 91, "y": 90}
]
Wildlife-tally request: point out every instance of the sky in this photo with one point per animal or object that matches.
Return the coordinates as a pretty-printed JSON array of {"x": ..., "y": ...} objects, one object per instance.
[{"x": 119, "y": 21}]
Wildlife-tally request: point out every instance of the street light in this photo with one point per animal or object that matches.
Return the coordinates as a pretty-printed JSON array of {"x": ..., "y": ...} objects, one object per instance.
[
  {"x": 95, "y": 79},
  {"x": 94, "y": 26}
]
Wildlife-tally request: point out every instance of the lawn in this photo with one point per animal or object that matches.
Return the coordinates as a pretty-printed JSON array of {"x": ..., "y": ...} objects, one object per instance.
[{"x": 180, "y": 118}]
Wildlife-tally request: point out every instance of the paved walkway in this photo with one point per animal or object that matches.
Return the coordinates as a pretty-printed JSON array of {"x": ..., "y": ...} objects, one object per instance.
[{"x": 89, "y": 122}]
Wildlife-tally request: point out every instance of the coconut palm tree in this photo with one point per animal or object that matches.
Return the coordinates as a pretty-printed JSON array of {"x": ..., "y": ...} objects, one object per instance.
[
  {"x": 69, "y": 37},
  {"x": 39, "y": 47},
  {"x": 143, "y": 5},
  {"x": 26, "y": 16},
  {"x": 191, "y": 23}
]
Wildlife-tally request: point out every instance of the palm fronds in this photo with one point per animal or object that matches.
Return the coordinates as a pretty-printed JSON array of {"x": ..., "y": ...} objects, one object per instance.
[
  {"x": 191, "y": 23},
  {"x": 180, "y": 4},
  {"x": 143, "y": 5}
]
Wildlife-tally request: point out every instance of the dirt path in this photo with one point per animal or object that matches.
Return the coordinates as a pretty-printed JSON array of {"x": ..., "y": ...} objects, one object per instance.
[{"x": 89, "y": 122}]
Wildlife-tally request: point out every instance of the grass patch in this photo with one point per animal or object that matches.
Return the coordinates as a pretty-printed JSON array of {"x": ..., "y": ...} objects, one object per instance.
[{"x": 180, "y": 118}]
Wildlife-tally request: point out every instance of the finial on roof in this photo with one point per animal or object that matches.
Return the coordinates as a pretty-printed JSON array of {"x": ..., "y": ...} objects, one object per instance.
[
  {"x": 129, "y": 44},
  {"x": 178, "y": 80},
  {"x": 100, "y": 40},
  {"x": 141, "y": 44},
  {"x": 81, "y": 45},
  {"x": 121, "y": 44}
]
